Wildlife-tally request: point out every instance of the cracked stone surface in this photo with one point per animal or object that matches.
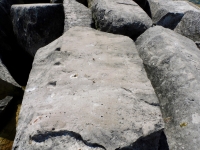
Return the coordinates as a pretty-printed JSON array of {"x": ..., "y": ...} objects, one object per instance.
[
  {"x": 173, "y": 66},
  {"x": 36, "y": 25},
  {"x": 119, "y": 17},
  {"x": 89, "y": 90},
  {"x": 76, "y": 14},
  {"x": 169, "y": 13}
]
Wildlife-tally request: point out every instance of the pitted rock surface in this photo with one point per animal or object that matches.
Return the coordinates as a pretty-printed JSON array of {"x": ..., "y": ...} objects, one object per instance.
[{"x": 89, "y": 90}]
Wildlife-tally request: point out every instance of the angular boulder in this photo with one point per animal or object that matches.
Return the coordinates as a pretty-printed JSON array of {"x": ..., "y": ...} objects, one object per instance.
[
  {"x": 89, "y": 90},
  {"x": 76, "y": 14},
  {"x": 119, "y": 17},
  {"x": 173, "y": 66},
  {"x": 36, "y": 25},
  {"x": 189, "y": 25},
  {"x": 179, "y": 16}
]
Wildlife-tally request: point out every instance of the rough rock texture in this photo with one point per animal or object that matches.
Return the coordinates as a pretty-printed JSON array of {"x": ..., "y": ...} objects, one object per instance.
[
  {"x": 168, "y": 13},
  {"x": 93, "y": 94},
  {"x": 76, "y": 14},
  {"x": 119, "y": 17},
  {"x": 189, "y": 25},
  {"x": 36, "y": 25},
  {"x": 17, "y": 61},
  {"x": 173, "y": 66}
]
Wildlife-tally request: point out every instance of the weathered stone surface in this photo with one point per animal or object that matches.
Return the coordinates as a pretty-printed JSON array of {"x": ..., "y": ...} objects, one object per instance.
[
  {"x": 189, "y": 25},
  {"x": 119, "y": 17},
  {"x": 36, "y": 25},
  {"x": 167, "y": 13},
  {"x": 76, "y": 14},
  {"x": 89, "y": 90},
  {"x": 17, "y": 61},
  {"x": 173, "y": 66}
]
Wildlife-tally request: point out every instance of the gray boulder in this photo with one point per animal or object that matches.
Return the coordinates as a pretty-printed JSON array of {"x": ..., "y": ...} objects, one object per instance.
[
  {"x": 179, "y": 16},
  {"x": 119, "y": 17},
  {"x": 89, "y": 90},
  {"x": 76, "y": 14},
  {"x": 173, "y": 66},
  {"x": 189, "y": 25},
  {"x": 36, "y": 25}
]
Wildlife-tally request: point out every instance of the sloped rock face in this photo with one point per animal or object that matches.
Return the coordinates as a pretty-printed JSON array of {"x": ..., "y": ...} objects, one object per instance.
[
  {"x": 76, "y": 14},
  {"x": 119, "y": 17},
  {"x": 89, "y": 90},
  {"x": 36, "y": 25},
  {"x": 178, "y": 16},
  {"x": 17, "y": 61},
  {"x": 173, "y": 66}
]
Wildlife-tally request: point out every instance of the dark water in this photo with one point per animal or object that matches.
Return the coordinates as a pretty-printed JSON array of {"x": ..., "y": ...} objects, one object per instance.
[{"x": 195, "y": 1}]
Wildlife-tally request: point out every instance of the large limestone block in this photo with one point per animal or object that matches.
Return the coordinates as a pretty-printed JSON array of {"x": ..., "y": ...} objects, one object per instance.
[
  {"x": 76, "y": 14},
  {"x": 36, "y": 25},
  {"x": 173, "y": 66},
  {"x": 89, "y": 90},
  {"x": 179, "y": 16},
  {"x": 119, "y": 17}
]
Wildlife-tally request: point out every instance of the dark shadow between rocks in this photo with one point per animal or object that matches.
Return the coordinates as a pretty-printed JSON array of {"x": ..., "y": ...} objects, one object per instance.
[
  {"x": 84, "y": 2},
  {"x": 147, "y": 9},
  {"x": 163, "y": 145},
  {"x": 170, "y": 20},
  {"x": 146, "y": 143}
]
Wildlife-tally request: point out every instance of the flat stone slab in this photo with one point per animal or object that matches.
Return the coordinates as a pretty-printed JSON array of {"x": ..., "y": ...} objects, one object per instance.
[
  {"x": 173, "y": 66},
  {"x": 120, "y": 17},
  {"x": 89, "y": 90},
  {"x": 36, "y": 25}
]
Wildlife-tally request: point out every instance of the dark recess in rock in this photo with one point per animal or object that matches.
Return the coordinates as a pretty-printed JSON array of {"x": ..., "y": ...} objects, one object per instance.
[
  {"x": 17, "y": 61},
  {"x": 7, "y": 111},
  {"x": 145, "y": 143},
  {"x": 84, "y": 2},
  {"x": 170, "y": 20},
  {"x": 163, "y": 145},
  {"x": 36, "y": 1}
]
